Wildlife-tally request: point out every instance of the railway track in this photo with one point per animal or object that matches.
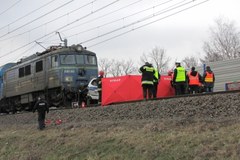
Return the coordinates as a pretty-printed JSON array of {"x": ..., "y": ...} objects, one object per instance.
[
  {"x": 182, "y": 96},
  {"x": 135, "y": 101},
  {"x": 180, "y": 109}
]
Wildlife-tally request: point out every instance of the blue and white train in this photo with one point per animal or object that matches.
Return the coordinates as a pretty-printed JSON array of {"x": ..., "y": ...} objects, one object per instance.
[{"x": 57, "y": 74}]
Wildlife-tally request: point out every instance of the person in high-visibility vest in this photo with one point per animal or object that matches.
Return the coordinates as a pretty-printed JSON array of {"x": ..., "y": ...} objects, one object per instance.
[
  {"x": 179, "y": 79},
  {"x": 194, "y": 81},
  {"x": 147, "y": 71},
  {"x": 208, "y": 79},
  {"x": 156, "y": 80}
]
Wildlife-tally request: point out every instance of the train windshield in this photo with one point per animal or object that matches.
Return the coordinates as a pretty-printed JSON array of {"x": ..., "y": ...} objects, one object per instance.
[
  {"x": 67, "y": 59},
  {"x": 78, "y": 59},
  {"x": 89, "y": 59}
]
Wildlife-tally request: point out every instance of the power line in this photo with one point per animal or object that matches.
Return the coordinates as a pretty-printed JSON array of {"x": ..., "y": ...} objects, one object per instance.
[
  {"x": 48, "y": 21},
  {"x": 93, "y": 28},
  {"x": 37, "y": 18},
  {"x": 107, "y": 14},
  {"x": 146, "y": 24},
  {"x": 60, "y": 28},
  {"x": 24, "y": 52},
  {"x": 138, "y": 21},
  {"x": 27, "y": 15},
  {"x": 10, "y": 7}
]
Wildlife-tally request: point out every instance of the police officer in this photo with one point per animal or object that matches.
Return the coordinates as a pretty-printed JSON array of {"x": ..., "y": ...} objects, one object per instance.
[
  {"x": 99, "y": 84},
  {"x": 42, "y": 107},
  {"x": 156, "y": 79},
  {"x": 194, "y": 81},
  {"x": 147, "y": 71},
  {"x": 209, "y": 79},
  {"x": 179, "y": 79}
]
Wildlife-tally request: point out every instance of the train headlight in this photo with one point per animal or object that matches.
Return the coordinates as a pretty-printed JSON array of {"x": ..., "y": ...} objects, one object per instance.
[{"x": 68, "y": 79}]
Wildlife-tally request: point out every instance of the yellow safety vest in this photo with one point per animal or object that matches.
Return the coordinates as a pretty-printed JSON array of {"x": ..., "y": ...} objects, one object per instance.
[{"x": 181, "y": 74}]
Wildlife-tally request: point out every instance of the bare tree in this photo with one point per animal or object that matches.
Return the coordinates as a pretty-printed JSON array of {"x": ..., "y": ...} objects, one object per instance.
[
  {"x": 117, "y": 67},
  {"x": 224, "y": 41},
  {"x": 158, "y": 58},
  {"x": 128, "y": 67},
  {"x": 104, "y": 64},
  {"x": 190, "y": 62},
  {"x": 143, "y": 58}
]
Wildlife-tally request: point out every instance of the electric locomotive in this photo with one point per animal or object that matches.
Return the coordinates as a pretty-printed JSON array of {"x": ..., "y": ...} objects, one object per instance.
[{"x": 58, "y": 74}]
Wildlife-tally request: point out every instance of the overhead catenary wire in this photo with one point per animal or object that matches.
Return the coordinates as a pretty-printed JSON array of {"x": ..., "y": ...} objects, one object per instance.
[
  {"x": 24, "y": 52},
  {"x": 118, "y": 35},
  {"x": 26, "y": 15},
  {"x": 99, "y": 17},
  {"x": 10, "y": 7},
  {"x": 85, "y": 16},
  {"x": 53, "y": 20},
  {"x": 97, "y": 27},
  {"x": 139, "y": 21},
  {"x": 107, "y": 14},
  {"x": 36, "y": 18},
  {"x": 101, "y": 41},
  {"x": 119, "y": 19}
]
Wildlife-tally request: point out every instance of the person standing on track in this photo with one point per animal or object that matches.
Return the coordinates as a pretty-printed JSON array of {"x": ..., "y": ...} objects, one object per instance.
[
  {"x": 179, "y": 79},
  {"x": 208, "y": 79},
  {"x": 42, "y": 107},
  {"x": 147, "y": 71}
]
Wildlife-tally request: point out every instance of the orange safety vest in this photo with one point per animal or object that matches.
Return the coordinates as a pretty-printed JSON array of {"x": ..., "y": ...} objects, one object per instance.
[
  {"x": 209, "y": 77},
  {"x": 193, "y": 80}
]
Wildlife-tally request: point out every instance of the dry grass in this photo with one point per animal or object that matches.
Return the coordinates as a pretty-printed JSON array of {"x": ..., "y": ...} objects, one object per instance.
[
  {"x": 149, "y": 140},
  {"x": 187, "y": 128}
]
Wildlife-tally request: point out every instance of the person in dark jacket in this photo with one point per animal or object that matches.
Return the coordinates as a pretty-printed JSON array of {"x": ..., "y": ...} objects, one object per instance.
[
  {"x": 147, "y": 71},
  {"x": 179, "y": 79},
  {"x": 99, "y": 84},
  {"x": 42, "y": 107},
  {"x": 208, "y": 79},
  {"x": 83, "y": 95},
  {"x": 194, "y": 81},
  {"x": 156, "y": 80}
]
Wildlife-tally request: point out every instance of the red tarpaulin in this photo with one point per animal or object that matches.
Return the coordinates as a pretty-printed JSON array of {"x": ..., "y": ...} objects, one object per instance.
[{"x": 128, "y": 88}]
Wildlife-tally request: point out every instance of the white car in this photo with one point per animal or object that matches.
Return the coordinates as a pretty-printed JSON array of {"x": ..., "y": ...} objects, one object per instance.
[{"x": 93, "y": 90}]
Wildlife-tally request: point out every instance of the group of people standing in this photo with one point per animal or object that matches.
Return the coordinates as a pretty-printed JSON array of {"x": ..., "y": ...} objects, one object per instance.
[
  {"x": 183, "y": 82},
  {"x": 192, "y": 81}
]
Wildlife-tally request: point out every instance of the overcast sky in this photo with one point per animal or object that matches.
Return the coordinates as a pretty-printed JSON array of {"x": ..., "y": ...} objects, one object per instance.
[{"x": 118, "y": 29}]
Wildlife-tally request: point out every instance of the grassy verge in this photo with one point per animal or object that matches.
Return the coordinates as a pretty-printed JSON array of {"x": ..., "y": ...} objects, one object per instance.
[{"x": 149, "y": 141}]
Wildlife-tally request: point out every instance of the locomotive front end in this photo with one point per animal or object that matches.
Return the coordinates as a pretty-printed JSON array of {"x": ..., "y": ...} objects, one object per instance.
[{"x": 78, "y": 67}]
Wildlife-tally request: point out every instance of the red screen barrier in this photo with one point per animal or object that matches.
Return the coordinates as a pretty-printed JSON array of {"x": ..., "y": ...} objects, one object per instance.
[{"x": 128, "y": 88}]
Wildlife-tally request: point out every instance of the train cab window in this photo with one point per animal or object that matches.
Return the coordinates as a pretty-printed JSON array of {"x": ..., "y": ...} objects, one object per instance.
[
  {"x": 90, "y": 59},
  {"x": 39, "y": 66},
  {"x": 27, "y": 70},
  {"x": 54, "y": 61},
  {"x": 21, "y": 72},
  {"x": 67, "y": 59},
  {"x": 80, "y": 59}
]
